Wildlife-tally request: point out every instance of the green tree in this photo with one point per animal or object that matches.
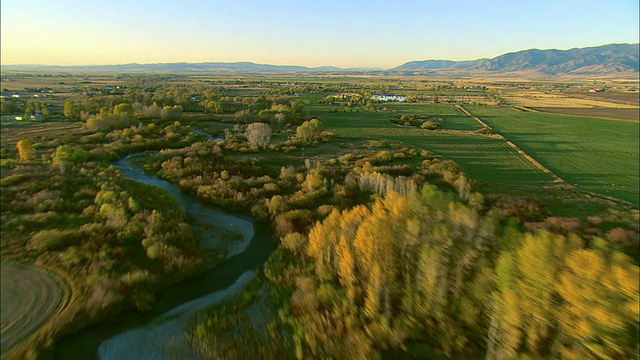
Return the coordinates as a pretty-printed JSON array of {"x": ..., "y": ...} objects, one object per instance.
[
  {"x": 70, "y": 154},
  {"x": 123, "y": 110},
  {"x": 212, "y": 106},
  {"x": 309, "y": 130},
  {"x": 71, "y": 110}
]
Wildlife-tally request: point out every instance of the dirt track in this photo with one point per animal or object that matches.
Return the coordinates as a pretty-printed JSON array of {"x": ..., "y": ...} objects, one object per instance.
[{"x": 29, "y": 299}]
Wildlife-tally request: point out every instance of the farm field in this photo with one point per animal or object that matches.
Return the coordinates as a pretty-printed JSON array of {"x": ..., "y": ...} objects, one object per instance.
[
  {"x": 29, "y": 299},
  {"x": 557, "y": 100},
  {"x": 598, "y": 112},
  {"x": 453, "y": 119},
  {"x": 593, "y": 154},
  {"x": 483, "y": 158},
  {"x": 632, "y": 98}
]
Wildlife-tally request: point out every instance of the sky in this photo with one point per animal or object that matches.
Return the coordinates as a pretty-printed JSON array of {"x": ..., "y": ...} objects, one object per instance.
[{"x": 344, "y": 33}]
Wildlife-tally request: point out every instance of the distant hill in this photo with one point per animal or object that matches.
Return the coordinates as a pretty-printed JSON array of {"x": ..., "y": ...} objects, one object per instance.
[
  {"x": 606, "y": 60},
  {"x": 436, "y": 65},
  {"x": 601, "y": 60},
  {"x": 173, "y": 67}
]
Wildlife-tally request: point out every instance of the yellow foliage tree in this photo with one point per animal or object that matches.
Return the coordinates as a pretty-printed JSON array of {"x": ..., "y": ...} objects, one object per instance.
[
  {"x": 599, "y": 316},
  {"x": 26, "y": 151}
]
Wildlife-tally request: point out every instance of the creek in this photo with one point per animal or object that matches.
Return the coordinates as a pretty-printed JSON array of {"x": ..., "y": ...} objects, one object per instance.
[{"x": 161, "y": 333}]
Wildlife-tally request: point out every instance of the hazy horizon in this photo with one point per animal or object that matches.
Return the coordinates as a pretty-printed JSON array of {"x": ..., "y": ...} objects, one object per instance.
[{"x": 357, "y": 34}]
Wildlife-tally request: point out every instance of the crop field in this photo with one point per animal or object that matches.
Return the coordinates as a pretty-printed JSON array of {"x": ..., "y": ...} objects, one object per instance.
[
  {"x": 631, "y": 98},
  {"x": 482, "y": 158},
  {"x": 539, "y": 99},
  {"x": 597, "y": 112},
  {"x": 33, "y": 131},
  {"x": 593, "y": 154}
]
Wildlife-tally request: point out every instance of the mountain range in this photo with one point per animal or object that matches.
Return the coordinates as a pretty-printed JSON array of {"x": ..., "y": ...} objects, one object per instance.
[
  {"x": 605, "y": 60},
  {"x": 613, "y": 59}
]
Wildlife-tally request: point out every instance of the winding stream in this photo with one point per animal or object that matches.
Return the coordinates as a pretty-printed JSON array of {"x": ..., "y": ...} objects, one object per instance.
[{"x": 160, "y": 333}]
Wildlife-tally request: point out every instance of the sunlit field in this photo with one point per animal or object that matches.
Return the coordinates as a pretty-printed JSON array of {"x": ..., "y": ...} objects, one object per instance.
[{"x": 596, "y": 155}]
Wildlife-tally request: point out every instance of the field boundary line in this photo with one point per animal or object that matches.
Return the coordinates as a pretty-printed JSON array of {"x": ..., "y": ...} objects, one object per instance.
[{"x": 528, "y": 157}]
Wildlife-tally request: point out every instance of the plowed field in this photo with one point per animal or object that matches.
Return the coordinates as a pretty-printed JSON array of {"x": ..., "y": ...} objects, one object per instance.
[{"x": 30, "y": 298}]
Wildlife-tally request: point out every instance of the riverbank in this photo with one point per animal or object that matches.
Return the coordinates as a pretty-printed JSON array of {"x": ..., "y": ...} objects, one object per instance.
[
  {"x": 178, "y": 302},
  {"x": 166, "y": 337}
]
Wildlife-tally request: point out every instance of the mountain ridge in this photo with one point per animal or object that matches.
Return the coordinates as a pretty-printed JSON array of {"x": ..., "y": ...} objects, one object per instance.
[
  {"x": 603, "y": 60},
  {"x": 607, "y": 59}
]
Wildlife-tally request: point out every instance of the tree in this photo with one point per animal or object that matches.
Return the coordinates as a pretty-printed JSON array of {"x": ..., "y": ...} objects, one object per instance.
[
  {"x": 212, "y": 106},
  {"x": 26, "y": 151},
  {"x": 276, "y": 205},
  {"x": 294, "y": 242},
  {"x": 258, "y": 134},
  {"x": 309, "y": 130},
  {"x": 70, "y": 110},
  {"x": 599, "y": 314},
  {"x": 171, "y": 112},
  {"x": 70, "y": 154},
  {"x": 124, "y": 109},
  {"x": 280, "y": 118}
]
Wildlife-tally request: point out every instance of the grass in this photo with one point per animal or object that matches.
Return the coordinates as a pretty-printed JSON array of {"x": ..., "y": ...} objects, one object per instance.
[
  {"x": 593, "y": 154},
  {"x": 482, "y": 158},
  {"x": 453, "y": 119}
]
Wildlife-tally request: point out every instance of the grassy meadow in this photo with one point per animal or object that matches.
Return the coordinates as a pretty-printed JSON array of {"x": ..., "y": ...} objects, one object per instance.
[{"x": 595, "y": 155}]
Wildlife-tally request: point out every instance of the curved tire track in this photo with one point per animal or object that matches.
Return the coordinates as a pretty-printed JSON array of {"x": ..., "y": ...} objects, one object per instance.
[{"x": 30, "y": 298}]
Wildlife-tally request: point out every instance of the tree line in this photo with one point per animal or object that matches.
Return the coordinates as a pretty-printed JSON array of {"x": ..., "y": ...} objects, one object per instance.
[{"x": 429, "y": 268}]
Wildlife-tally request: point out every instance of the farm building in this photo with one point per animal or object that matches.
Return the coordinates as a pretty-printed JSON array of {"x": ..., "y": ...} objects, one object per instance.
[{"x": 379, "y": 97}]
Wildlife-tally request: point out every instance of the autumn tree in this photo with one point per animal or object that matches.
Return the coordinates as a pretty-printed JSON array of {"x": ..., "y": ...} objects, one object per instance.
[
  {"x": 258, "y": 134},
  {"x": 26, "y": 151},
  {"x": 309, "y": 130},
  {"x": 599, "y": 312}
]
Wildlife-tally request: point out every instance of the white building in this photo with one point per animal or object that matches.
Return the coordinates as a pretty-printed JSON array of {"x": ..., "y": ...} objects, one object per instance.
[{"x": 379, "y": 97}]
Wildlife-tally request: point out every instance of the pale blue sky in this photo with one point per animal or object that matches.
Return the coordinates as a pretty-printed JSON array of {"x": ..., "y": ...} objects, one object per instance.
[{"x": 312, "y": 33}]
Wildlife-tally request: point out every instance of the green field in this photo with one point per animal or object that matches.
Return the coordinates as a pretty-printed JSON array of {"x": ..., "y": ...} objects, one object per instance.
[
  {"x": 453, "y": 119},
  {"x": 483, "y": 158},
  {"x": 595, "y": 155}
]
